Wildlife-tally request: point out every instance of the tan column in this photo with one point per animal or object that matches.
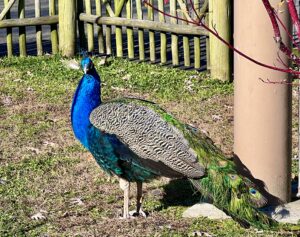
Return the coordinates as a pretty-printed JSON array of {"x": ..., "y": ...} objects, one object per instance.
[{"x": 262, "y": 118}]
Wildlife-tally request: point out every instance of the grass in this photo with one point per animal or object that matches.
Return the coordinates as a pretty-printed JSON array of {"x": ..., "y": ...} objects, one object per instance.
[{"x": 43, "y": 169}]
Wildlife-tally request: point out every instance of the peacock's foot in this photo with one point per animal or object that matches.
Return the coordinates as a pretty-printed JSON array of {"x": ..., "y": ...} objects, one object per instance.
[{"x": 137, "y": 214}]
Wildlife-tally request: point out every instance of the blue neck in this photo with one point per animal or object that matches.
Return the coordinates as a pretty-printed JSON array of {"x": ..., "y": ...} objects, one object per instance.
[{"x": 86, "y": 98}]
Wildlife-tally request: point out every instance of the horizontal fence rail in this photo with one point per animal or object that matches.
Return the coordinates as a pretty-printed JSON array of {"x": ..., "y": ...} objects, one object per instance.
[
  {"x": 44, "y": 20},
  {"x": 144, "y": 24}
]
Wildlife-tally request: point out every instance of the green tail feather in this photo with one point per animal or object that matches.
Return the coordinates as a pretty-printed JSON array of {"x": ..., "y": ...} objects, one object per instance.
[{"x": 235, "y": 203}]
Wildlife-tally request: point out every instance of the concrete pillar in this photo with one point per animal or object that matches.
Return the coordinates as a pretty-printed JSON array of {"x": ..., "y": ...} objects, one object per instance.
[{"x": 262, "y": 112}]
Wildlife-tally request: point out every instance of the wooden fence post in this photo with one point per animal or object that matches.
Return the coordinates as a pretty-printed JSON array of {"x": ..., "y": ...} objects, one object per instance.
[
  {"x": 67, "y": 27},
  {"x": 220, "y": 15}
]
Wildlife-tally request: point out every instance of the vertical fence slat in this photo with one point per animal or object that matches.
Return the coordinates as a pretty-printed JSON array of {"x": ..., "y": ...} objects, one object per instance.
[
  {"x": 89, "y": 26},
  {"x": 100, "y": 28},
  {"x": 119, "y": 40},
  {"x": 140, "y": 31},
  {"x": 108, "y": 38},
  {"x": 186, "y": 47},
  {"x": 197, "y": 49},
  {"x": 207, "y": 43},
  {"x": 53, "y": 28},
  {"x": 174, "y": 37},
  {"x": 39, "y": 39},
  {"x": 130, "y": 42},
  {"x": 151, "y": 33},
  {"x": 163, "y": 36},
  {"x": 9, "y": 40},
  {"x": 22, "y": 30}
]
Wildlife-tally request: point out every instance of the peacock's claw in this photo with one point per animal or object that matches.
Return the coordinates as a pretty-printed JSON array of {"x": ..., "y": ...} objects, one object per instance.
[
  {"x": 41, "y": 215},
  {"x": 137, "y": 214}
]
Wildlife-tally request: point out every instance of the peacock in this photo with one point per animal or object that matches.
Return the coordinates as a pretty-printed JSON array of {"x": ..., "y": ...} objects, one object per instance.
[{"x": 138, "y": 141}]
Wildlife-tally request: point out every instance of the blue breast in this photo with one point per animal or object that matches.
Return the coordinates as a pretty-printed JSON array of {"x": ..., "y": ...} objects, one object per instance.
[{"x": 86, "y": 99}]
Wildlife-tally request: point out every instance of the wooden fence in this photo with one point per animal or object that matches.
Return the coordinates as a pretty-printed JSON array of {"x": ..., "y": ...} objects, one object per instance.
[
  {"x": 139, "y": 22},
  {"x": 120, "y": 27}
]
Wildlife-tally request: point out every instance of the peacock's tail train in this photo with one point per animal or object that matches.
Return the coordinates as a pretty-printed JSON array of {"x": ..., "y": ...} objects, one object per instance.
[{"x": 222, "y": 184}]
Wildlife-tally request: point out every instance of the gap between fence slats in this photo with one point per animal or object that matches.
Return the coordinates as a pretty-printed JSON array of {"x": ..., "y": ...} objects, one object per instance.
[
  {"x": 39, "y": 39},
  {"x": 9, "y": 39}
]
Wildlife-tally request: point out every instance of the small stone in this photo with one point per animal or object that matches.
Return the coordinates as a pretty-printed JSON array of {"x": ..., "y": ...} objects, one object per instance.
[
  {"x": 157, "y": 192},
  {"x": 216, "y": 117},
  {"x": 206, "y": 210},
  {"x": 288, "y": 213},
  {"x": 3, "y": 181},
  {"x": 7, "y": 101}
]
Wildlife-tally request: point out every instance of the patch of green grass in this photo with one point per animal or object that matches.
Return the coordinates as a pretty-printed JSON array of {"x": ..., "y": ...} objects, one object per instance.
[
  {"x": 50, "y": 80},
  {"x": 161, "y": 82}
]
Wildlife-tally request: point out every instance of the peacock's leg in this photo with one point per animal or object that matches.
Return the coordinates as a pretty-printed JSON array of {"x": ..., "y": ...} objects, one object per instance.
[
  {"x": 139, "y": 198},
  {"x": 125, "y": 186}
]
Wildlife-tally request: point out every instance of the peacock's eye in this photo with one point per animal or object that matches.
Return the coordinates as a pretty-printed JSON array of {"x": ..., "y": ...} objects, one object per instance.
[
  {"x": 232, "y": 176},
  {"x": 252, "y": 191}
]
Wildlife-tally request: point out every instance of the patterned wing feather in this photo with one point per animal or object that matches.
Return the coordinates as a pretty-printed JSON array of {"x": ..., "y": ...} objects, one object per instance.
[{"x": 148, "y": 135}]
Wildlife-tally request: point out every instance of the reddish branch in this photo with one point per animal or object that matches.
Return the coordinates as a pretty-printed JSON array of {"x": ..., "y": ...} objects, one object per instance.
[
  {"x": 276, "y": 29},
  {"x": 277, "y": 35},
  {"x": 294, "y": 16},
  {"x": 287, "y": 32}
]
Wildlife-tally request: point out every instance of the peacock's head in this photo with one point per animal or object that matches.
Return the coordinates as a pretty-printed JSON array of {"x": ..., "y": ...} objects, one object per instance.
[{"x": 87, "y": 65}]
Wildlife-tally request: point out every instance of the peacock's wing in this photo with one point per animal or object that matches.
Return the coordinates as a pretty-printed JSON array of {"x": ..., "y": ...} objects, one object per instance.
[{"x": 145, "y": 128}]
